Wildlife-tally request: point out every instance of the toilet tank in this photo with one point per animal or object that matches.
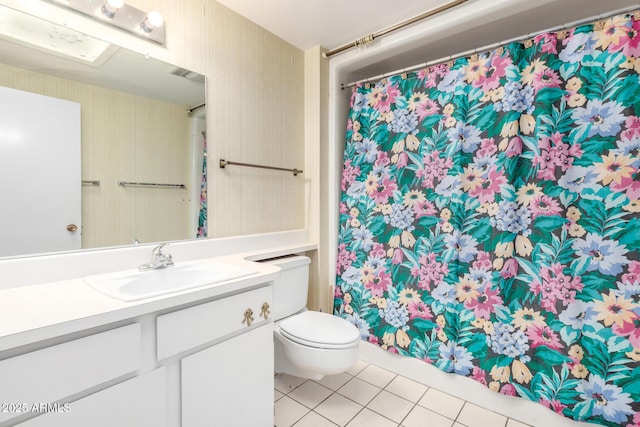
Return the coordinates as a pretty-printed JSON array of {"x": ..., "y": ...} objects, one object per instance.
[{"x": 291, "y": 288}]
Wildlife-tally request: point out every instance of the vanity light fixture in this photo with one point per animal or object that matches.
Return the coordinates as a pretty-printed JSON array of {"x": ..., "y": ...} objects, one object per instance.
[
  {"x": 111, "y": 7},
  {"x": 149, "y": 26},
  {"x": 151, "y": 21}
]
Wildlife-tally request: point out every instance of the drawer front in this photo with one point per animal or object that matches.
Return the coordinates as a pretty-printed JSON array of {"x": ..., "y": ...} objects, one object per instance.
[
  {"x": 185, "y": 329},
  {"x": 53, "y": 373}
]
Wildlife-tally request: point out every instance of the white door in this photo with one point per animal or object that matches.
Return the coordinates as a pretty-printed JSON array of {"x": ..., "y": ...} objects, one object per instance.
[{"x": 40, "y": 174}]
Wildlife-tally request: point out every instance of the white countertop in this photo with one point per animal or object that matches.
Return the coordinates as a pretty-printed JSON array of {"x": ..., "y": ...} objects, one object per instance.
[{"x": 29, "y": 314}]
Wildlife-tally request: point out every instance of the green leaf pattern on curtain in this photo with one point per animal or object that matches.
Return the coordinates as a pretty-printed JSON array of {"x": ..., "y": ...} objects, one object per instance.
[
  {"x": 202, "y": 214},
  {"x": 489, "y": 219}
]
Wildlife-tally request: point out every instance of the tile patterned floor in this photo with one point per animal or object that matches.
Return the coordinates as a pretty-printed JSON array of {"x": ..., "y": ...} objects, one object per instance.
[{"x": 369, "y": 396}]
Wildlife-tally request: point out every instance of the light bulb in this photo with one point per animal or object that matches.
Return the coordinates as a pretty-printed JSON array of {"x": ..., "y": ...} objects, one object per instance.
[
  {"x": 152, "y": 20},
  {"x": 111, "y": 7}
]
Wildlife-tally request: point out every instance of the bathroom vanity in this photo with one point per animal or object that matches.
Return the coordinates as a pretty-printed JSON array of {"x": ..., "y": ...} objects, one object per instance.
[{"x": 73, "y": 356}]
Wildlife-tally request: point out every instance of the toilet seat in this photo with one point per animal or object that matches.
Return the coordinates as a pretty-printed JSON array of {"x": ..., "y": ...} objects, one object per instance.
[{"x": 319, "y": 330}]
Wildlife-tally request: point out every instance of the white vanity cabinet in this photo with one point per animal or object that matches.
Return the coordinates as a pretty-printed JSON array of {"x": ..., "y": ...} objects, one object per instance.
[
  {"x": 226, "y": 359},
  {"x": 206, "y": 362}
]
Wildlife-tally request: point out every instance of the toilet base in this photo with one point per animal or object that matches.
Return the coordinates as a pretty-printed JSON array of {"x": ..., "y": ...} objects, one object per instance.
[
  {"x": 282, "y": 367},
  {"x": 312, "y": 363}
]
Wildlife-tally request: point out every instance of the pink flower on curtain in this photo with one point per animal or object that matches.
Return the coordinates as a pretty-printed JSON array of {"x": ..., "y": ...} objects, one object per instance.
[
  {"x": 543, "y": 335},
  {"x": 383, "y": 96},
  {"x": 629, "y": 42},
  {"x": 549, "y": 42},
  {"x": 485, "y": 303},
  {"x": 546, "y": 78},
  {"x": 489, "y": 186},
  {"x": 496, "y": 70}
]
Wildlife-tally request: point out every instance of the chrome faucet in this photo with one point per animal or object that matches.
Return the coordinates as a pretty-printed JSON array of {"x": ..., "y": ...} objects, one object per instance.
[{"x": 158, "y": 259}]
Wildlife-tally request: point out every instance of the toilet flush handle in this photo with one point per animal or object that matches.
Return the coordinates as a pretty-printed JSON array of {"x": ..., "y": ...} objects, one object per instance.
[{"x": 265, "y": 311}]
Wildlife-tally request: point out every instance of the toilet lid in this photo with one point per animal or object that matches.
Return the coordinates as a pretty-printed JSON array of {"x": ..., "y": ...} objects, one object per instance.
[{"x": 319, "y": 330}]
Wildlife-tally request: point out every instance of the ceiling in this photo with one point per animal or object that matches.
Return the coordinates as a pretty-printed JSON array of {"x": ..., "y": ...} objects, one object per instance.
[
  {"x": 333, "y": 23},
  {"x": 327, "y": 23}
]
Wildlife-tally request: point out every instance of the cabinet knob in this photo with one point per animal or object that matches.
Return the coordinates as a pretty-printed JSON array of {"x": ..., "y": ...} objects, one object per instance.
[
  {"x": 72, "y": 227},
  {"x": 248, "y": 317},
  {"x": 265, "y": 311}
]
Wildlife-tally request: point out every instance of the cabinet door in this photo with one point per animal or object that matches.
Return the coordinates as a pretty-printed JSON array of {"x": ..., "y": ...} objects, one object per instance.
[
  {"x": 137, "y": 402},
  {"x": 230, "y": 384}
]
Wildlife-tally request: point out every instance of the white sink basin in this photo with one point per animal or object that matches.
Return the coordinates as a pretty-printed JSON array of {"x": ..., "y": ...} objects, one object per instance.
[{"x": 133, "y": 285}]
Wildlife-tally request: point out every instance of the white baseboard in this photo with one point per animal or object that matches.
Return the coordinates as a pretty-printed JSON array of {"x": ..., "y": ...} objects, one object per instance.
[{"x": 520, "y": 409}]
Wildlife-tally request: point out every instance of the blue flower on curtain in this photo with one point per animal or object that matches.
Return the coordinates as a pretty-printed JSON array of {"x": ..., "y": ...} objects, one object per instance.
[{"x": 489, "y": 219}]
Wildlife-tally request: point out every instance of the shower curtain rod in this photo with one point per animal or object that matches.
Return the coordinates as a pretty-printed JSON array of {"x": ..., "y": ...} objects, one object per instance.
[
  {"x": 371, "y": 37},
  {"x": 491, "y": 46}
]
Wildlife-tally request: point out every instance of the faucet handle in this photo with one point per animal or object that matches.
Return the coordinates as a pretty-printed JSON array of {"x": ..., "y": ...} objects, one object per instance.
[{"x": 157, "y": 251}]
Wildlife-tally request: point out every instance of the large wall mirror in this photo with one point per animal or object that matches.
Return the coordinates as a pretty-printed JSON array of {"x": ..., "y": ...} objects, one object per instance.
[{"x": 142, "y": 141}]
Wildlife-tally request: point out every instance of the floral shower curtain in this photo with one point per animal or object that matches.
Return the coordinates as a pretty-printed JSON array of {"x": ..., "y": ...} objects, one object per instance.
[
  {"x": 489, "y": 219},
  {"x": 202, "y": 216}
]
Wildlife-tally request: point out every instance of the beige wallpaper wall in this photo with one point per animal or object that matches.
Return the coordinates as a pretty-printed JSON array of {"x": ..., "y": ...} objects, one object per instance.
[
  {"x": 255, "y": 113},
  {"x": 256, "y": 105},
  {"x": 124, "y": 138}
]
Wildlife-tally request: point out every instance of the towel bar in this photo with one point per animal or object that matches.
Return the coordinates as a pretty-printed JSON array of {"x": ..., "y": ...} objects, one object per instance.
[
  {"x": 149, "y": 184},
  {"x": 224, "y": 163}
]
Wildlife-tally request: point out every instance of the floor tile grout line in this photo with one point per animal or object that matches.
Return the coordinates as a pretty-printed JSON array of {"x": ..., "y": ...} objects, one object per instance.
[
  {"x": 379, "y": 391},
  {"x": 287, "y": 393},
  {"x": 298, "y": 420},
  {"x": 460, "y": 411},
  {"x": 507, "y": 418},
  {"x": 369, "y": 382},
  {"x": 370, "y": 409},
  {"x": 356, "y": 374},
  {"x": 358, "y": 403},
  {"x": 330, "y": 394},
  {"x": 356, "y": 414},
  {"x": 448, "y": 394},
  {"x": 334, "y": 392},
  {"x": 402, "y": 397},
  {"x": 455, "y": 418},
  {"x": 410, "y": 410},
  {"x": 318, "y": 414},
  {"x": 383, "y": 415},
  {"x": 414, "y": 405},
  {"x": 370, "y": 400}
]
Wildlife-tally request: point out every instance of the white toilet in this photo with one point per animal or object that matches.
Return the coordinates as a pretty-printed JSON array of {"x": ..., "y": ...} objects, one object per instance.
[{"x": 308, "y": 344}]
